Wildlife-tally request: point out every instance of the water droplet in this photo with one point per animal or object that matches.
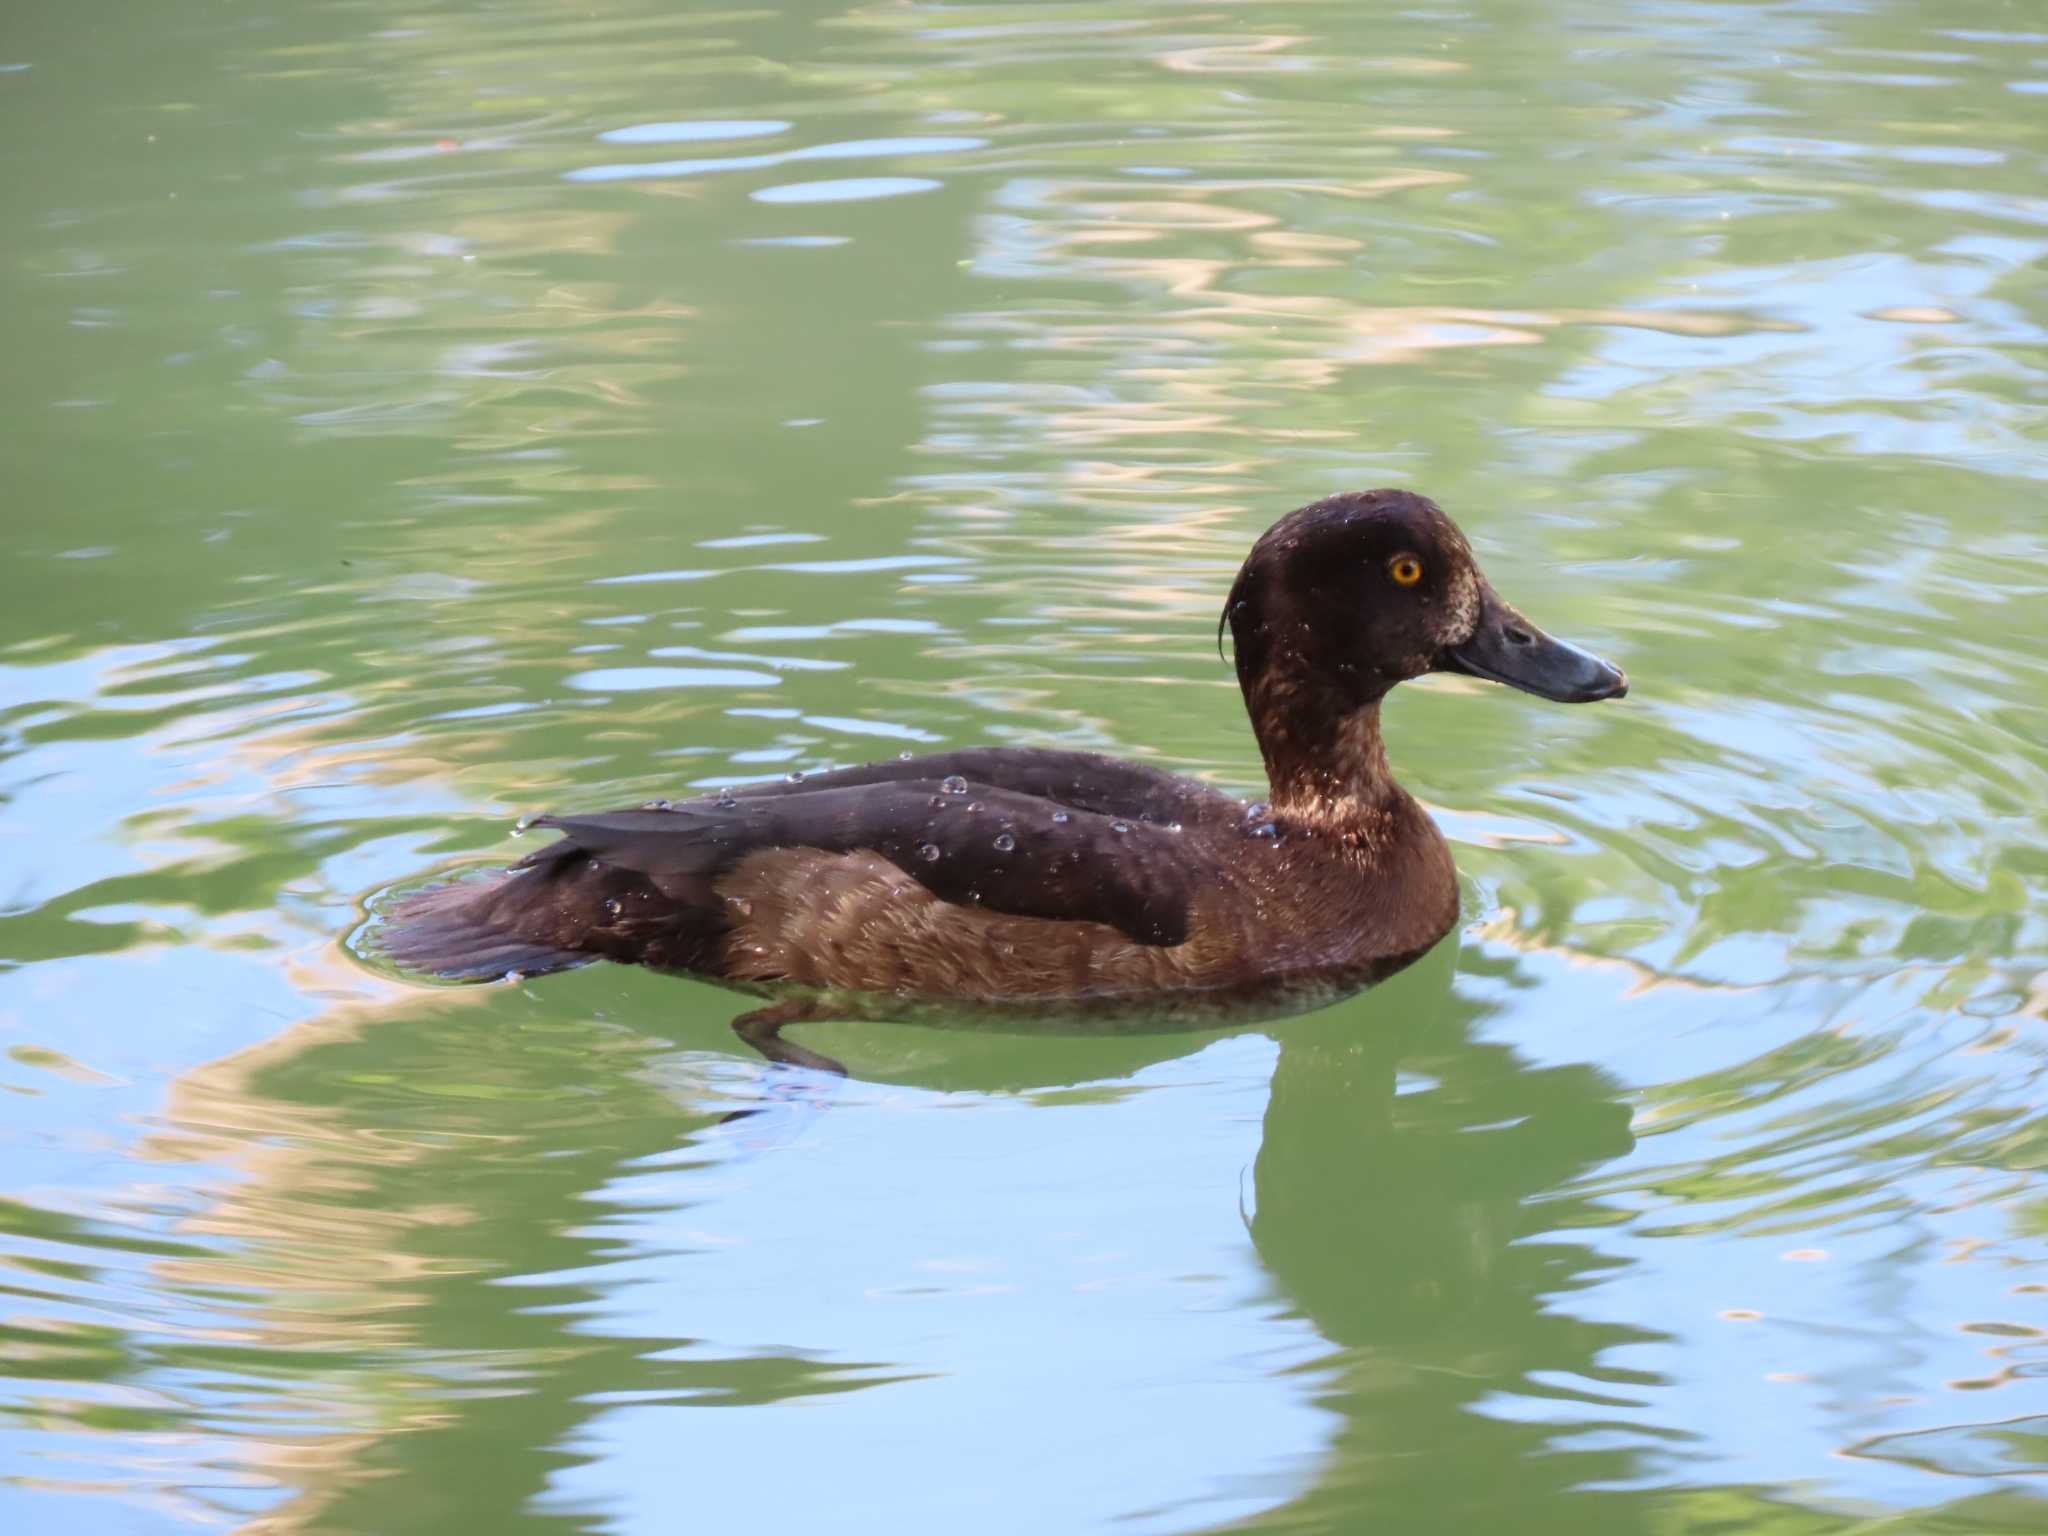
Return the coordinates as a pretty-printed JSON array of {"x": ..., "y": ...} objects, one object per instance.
[
  {"x": 611, "y": 906},
  {"x": 727, "y": 799},
  {"x": 1256, "y": 811},
  {"x": 1173, "y": 826},
  {"x": 1119, "y": 826},
  {"x": 953, "y": 784},
  {"x": 519, "y": 827},
  {"x": 794, "y": 776},
  {"x": 1005, "y": 842},
  {"x": 513, "y": 978},
  {"x": 939, "y": 802},
  {"x": 974, "y": 805},
  {"x": 1267, "y": 830},
  {"x": 929, "y": 852},
  {"x": 741, "y": 905},
  {"x": 654, "y": 805},
  {"x": 1061, "y": 817},
  {"x": 903, "y": 757}
]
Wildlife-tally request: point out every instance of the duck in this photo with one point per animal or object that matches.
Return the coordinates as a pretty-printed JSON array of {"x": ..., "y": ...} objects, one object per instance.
[{"x": 1036, "y": 883}]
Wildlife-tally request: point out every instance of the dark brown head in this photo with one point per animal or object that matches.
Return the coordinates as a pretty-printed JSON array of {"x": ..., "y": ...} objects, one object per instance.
[{"x": 1347, "y": 596}]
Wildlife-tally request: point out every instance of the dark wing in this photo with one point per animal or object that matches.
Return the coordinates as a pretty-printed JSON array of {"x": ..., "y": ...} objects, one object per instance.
[
  {"x": 1082, "y": 781},
  {"x": 987, "y": 847}
]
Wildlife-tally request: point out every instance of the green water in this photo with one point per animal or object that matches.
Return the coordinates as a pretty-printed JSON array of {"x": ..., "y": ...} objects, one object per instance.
[{"x": 415, "y": 416}]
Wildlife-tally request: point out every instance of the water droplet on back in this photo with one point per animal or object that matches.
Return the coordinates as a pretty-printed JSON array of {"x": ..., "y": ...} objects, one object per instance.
[
  {"x": 1256, "y": 811},
  {"x": 727, "y": 799},
  {"x": 903, "y": 757},
  {"x": 929, "y": 852},
  {"x": 794, "y": 776},
  {"x": 1005, "y": 842},
  {"x": 1061, "y": 817},
  {"x": 1119, "y": 826},
  {"x": 654, "y": 805},
  {"x": 611, "y": 906},
  {"x": 1267, "y": 830},
  {"x": 953, "y": 784}
]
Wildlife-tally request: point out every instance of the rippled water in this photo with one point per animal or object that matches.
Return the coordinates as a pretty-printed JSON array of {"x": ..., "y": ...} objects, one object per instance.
[{"x": 417, "y": 416}]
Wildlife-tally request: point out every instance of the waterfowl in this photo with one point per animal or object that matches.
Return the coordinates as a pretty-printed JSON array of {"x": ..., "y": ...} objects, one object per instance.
[{"x": 1033, "y": 882}]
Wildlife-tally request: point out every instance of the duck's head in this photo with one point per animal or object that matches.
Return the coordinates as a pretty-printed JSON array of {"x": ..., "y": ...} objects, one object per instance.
[{"x": 1349, "y": 595}]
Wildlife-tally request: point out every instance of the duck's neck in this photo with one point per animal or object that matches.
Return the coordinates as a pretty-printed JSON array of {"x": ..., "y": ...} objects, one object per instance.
[{"x": 1324, "y": 756}]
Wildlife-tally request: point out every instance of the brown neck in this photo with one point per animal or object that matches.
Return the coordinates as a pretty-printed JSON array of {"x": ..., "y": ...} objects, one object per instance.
[{"x": 1324, "y": 757}]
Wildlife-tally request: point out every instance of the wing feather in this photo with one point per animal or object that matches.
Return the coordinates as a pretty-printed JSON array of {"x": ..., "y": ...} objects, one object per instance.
[
  {"x": 989, "y": 847},
  {"x": 1082, "y": 781}
]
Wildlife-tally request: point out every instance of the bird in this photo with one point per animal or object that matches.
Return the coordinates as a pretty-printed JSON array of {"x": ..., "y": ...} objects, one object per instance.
[{"x": 1024, "y": 884}]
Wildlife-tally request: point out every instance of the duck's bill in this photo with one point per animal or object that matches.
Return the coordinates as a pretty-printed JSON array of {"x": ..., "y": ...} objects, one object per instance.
[{"x": 1507, "y": 648}]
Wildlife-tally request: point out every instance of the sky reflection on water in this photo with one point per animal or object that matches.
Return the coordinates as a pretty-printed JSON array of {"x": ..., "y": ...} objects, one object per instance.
[{"x": 397, "y": 445}]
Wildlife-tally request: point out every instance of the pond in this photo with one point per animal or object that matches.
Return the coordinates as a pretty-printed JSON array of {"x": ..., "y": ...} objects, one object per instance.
[{"x": 418, "y": 416}]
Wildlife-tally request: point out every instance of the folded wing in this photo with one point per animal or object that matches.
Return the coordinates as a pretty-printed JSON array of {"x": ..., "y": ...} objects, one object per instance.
[
  {"x": 983, "y": 846},
  {"x": 1079, "y": 781}
]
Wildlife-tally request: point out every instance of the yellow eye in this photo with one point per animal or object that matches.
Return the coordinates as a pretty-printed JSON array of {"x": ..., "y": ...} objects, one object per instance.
[{"x": 1405, "y": 569}]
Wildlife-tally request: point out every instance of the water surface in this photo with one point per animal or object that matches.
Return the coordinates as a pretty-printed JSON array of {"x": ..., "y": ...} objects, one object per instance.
[{"x": 420, "y": 416}]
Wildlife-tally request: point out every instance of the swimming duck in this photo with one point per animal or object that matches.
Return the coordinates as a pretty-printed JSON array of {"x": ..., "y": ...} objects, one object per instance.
[{"x": 1034, "y": 882}]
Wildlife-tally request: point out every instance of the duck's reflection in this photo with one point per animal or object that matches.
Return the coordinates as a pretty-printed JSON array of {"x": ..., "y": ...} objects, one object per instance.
[
  {"x": 1401, "y": 1187},
  {"x": 1399, "y": 1171}
]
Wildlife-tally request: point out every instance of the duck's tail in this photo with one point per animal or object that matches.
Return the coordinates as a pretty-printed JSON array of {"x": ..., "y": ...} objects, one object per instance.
[{"x": 468, "y": 932}]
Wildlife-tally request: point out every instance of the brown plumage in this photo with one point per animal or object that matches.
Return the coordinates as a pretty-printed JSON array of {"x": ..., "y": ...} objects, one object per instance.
[{"x": 1029, "y": 883}]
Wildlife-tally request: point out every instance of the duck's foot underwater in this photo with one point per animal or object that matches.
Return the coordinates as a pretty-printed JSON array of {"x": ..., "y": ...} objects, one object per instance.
[{"x": 762, "y": 1029}]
